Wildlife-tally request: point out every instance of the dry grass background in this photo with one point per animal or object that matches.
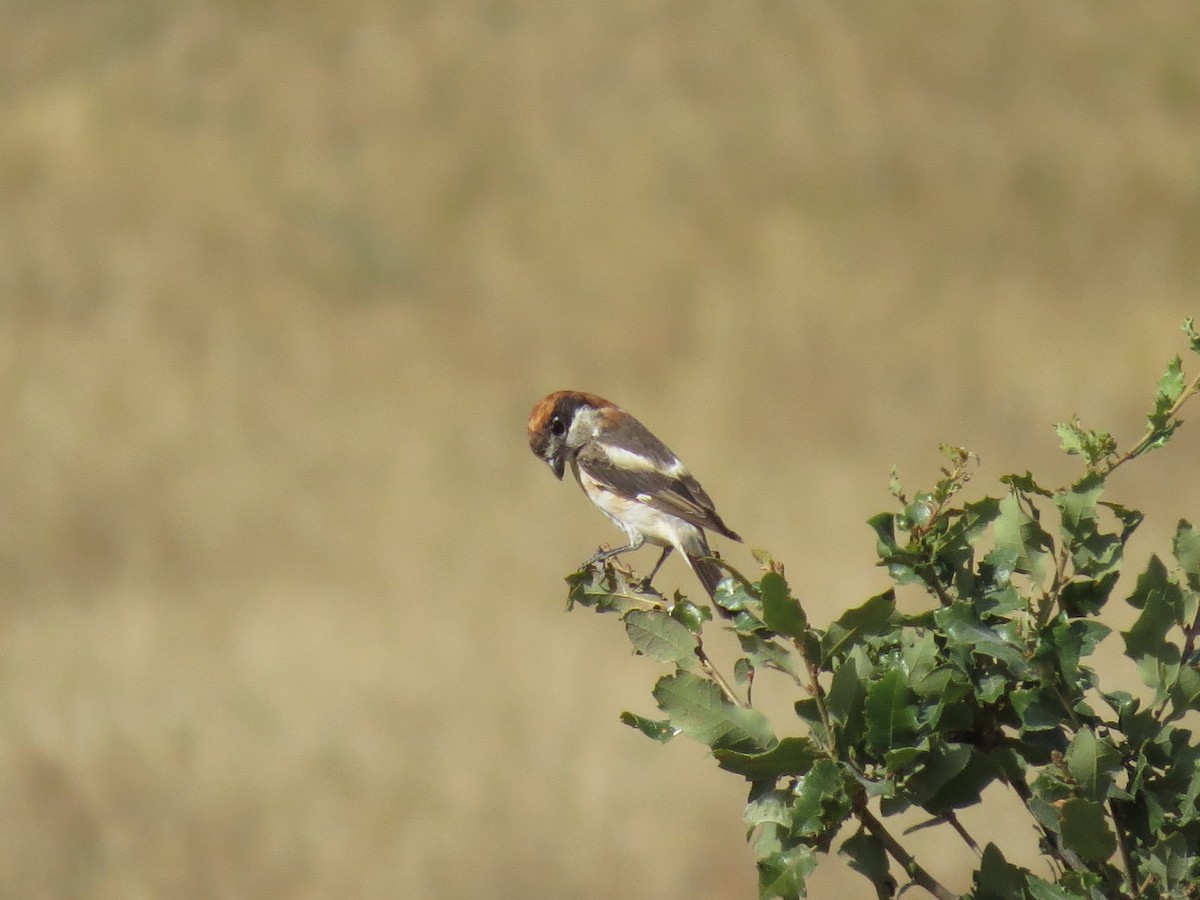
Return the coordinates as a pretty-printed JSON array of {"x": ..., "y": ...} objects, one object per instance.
[{"x": 279, "y": 283}]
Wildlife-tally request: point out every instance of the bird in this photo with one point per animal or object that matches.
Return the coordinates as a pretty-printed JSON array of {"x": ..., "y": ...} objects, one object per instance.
[{"x": 632, "y": 477}]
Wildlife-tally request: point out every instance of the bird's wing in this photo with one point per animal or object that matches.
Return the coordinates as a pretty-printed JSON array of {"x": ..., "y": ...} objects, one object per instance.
[{"x": 638, "y": 466}]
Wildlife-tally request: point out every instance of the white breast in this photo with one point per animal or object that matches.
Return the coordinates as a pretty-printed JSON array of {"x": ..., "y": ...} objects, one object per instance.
[{"x": 636, "y": 518}]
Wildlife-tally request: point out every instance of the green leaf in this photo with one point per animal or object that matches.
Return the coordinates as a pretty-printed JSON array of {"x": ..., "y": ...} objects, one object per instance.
[
  {"x": 1087, "y": 596},
  {"x": 822, "y": 803},
  {"x": 1094, "y": 446},
  {"x": 743, "y": 671},
  {"x": 659, "y": 730},
  {"x": 1193, "y": 338},
  {"x": 1172, "y": 866},
  {"x": 731, "y": 595},
  {"x": 1092, "y": 762},
  {"x": 1078, "y": 508},
  {"x": 854, "y": 625},
  {"x": 998, "y": 879},
  {"x": 891, "y": 712},
  {"x": 867, "y": 857},
  {"x": 965, "y": 787},
  {"x": 791, "y": 756},
  {"x": 1086, "y": 831},
  {"x": 765, "y": 653},
  {"x": 938, "y": 766},
  {"x": 697, "y": 707},
  {"x": 1068, "y": 643},
  {"x": 768, "y": 805},
  {"x": 1161, "y": 422},
  {"x": 1170, "y": 389},
  {"x": 782, "y": 875},
  {"x": 597, "y": 587},
  {"x": 1025, "y": 484},
  {"x": 1043, "y": 890},
  {"x": 847, "y": 694},
  {"x": 781, "y": 611},
  {"x": 1039, "y": 711},
  {"x": 1186, "y": 548},
  {"x": 960, "y": 623},
  {"x": 1160, "y": 600},
  {"x": 691, "y": 616},
  {"x": 884, "y": 526},
  {"x": 656, "y": 635},
  {"x": 1016, "y": 531},
  {"x": 1185, "y": 693}
]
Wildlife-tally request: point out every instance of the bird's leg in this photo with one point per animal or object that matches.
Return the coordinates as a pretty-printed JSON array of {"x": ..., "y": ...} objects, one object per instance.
[
  {"x": 601, "y": 555},
  {"x": 644, "y": 584}
]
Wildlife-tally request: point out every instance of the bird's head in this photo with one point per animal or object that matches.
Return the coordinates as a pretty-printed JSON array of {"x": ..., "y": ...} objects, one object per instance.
[{"x": 563, "y": 422}]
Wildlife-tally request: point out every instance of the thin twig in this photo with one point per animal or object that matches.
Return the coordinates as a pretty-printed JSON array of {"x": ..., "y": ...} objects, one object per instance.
[
  {"x": 1152, "y": 432},
  {"x": 711, "y": 671},
  {"x": 962, "y": 832},
  {"x": 1068, "y": 857},
  {"x": 911, "y": 867},
  {"x": 1123, "y": 845}
]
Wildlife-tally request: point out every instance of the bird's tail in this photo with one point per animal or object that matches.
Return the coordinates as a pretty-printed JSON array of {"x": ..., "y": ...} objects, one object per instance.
[{"x": 708, "y": 573}]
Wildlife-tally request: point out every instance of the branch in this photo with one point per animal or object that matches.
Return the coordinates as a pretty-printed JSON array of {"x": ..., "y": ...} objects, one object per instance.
[
  {"x": 711, "y": 671},
  {"x": 1153, "y": 433},
  {"x": 911, "y": 867}
]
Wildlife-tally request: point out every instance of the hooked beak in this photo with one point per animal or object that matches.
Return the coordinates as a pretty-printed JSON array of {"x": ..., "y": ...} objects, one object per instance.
[{"x": 557, "y": 464}]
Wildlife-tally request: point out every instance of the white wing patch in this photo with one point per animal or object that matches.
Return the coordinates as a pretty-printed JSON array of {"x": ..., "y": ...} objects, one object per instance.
[{"x": 632, "y": 461}]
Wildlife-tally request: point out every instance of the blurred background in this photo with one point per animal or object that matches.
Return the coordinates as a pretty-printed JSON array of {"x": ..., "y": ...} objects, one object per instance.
[{"x": 279, "y": 283}]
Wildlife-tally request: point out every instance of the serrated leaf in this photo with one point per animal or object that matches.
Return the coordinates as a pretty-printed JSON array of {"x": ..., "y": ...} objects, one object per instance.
[
  {"x": 791, "y": 756},
  {"x": 965, "y": 787},
  {"x": 997, "y": 878},
  {"x": 867, "y": 857},
  {"x": 1040, "y": 889},
  {"x": 1093, "y": 445},
  {"x": 765, "y": 653},
  {"x": 743, "y": 671},
  {"x": 781, "y": 611},
  {"x": 921, "y": 656},
  {"x": 1185, "y": 693},
  {"x": 656, "y": 635},
  {"x": 1025, "y": 484},
  {"x": 847, "y": 693},
  {"x": 1016, "y": 531},
  {"x": 1078, "y": 508},
  {"x": 1159, "y": 600},
  {"x": 821, "y": 801},
  {"x": 782, "y": 875},
  {"x": 731, "y": 596},
  {"x": 1085, "y": 830},
  {"x": 960, "y": 623},
  {"x": 1189, "y": 329},
  {"x": 691, "y": 616},
  {"x": 659, "y": 730},
  {"x": 1170, "y": 388},
  {"x": 770, "y": 806},
  {"x": 597, "y": 587},
  {"x": 697, "y": 707},
  {"x": 854, "y": 625},
  {"x": 937, "y": 767},
  {"x": 1091, "y": 762},
  {"x": 1172, "y": 865},
  {"x": 884, "y": 526},
  {"x": 890, "y": 711},
  {"x": 1069, "y": 642},
  {"x": 1038, "y": 711},
  {"x": 1186, "y": 547}
]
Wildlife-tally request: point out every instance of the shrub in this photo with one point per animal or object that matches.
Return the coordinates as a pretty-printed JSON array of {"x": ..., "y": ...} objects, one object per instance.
[{"x": 989, "y": 684}]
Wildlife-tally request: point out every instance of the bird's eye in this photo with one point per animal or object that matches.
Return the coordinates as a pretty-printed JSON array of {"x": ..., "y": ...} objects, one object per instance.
[{"x": 557, "y": 427}]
